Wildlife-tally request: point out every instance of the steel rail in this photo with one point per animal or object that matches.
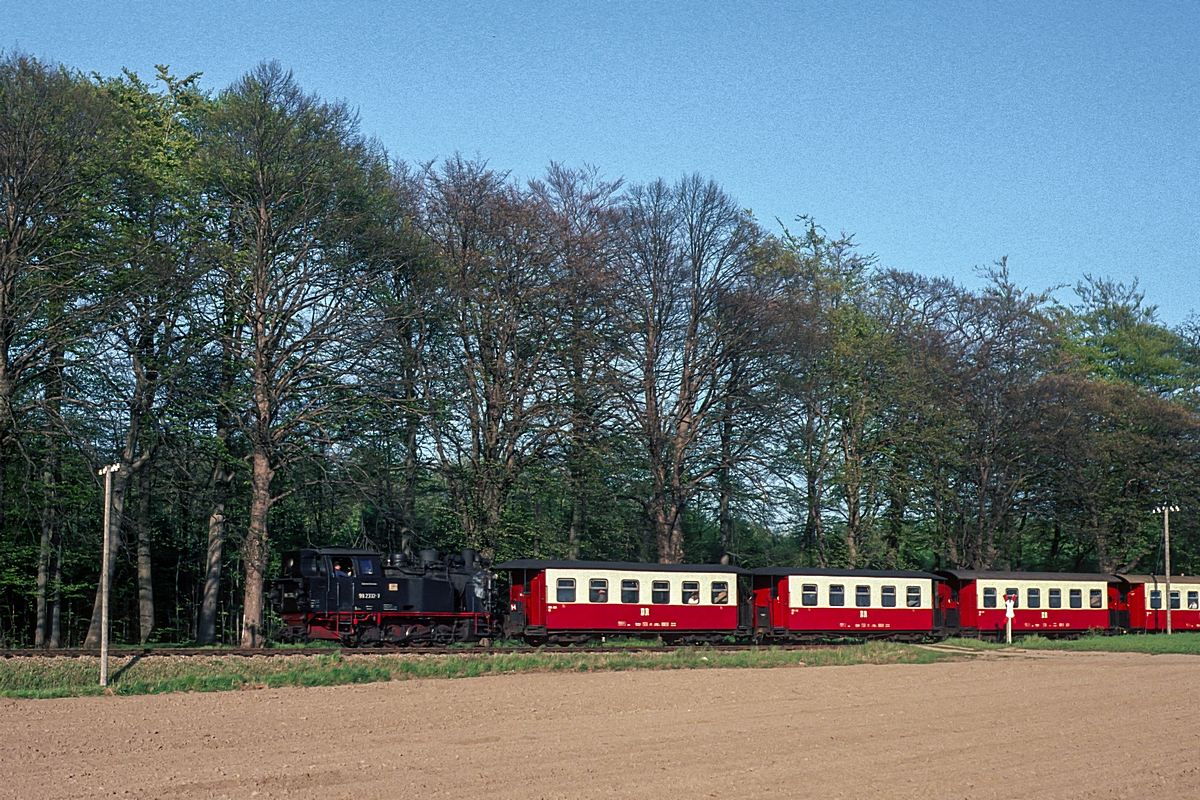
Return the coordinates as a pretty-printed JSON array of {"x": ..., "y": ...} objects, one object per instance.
[{"x": 260, "y": 652}]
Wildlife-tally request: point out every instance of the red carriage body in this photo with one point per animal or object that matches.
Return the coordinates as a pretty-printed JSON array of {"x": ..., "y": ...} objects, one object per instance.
[
  {"x": 800, "y": 603},
  {"x": 1050, "y": 603},
  {"x": 1148, "y": 600},
  {"x": 565, "y": 601}
]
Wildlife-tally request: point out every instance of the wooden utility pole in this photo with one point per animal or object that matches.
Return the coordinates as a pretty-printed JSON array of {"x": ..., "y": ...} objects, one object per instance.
[
  {"x": 1166, "y": 512},
  {"x": 107, "y": 472}
]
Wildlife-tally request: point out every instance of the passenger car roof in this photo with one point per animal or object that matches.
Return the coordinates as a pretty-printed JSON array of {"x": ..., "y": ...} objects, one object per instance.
[
  {"x": 1175, "y": 579},
  {"x": 989, "y": 575},
  {"x": 845, "y": 573},
  {"x": 621, "y": 566}
]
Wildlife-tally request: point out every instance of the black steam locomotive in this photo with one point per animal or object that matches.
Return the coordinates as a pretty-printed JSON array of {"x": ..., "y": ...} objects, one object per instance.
[{"x": 362, "y": 599}]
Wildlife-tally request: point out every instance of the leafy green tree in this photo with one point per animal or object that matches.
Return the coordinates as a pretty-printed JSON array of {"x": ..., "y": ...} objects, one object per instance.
[{"x": 291, "y": 187}]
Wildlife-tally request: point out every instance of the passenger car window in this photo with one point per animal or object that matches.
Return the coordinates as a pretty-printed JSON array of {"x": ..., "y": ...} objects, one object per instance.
[
  {"x": 630, "y": 591},
  {"x": 837, "y": 595},
  {"x": 566, "y": 590},
  {"x": 887, "y": 597},
  {"x": 989, "y": 597},
  {"x": 862, "y": 596},
  {"x": 808, "y": 594},
  {"x": 1077, "y": 598},
  {"x": 1155, "y": 598},
  {"x": 914, "y": 597},
  {"x": 691, "y": 593},
  {"x": 1096, "y": 599},
  {"x": 1174, "y": 600},
  {"x": 598, "y": 590},
  {"x": 1015, "y": 595},
  {"x": 1193, "y": 600},
  {"x": 1056, "y": 598},
  {"x": 720, "y": 593},
  {"x": 660, "y": 592},
  {"x": 1033, "y": 598}
]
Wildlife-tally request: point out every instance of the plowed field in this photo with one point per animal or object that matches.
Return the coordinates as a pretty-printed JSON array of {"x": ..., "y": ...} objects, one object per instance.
[{"x": 1006, "y": 725}]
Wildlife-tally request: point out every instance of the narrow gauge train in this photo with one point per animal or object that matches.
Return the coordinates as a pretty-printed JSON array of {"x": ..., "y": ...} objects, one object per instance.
[{"x": 362, "y": 599}]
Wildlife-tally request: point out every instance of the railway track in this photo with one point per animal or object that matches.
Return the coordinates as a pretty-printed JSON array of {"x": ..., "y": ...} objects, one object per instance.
[{"x": 266, "y": 652}]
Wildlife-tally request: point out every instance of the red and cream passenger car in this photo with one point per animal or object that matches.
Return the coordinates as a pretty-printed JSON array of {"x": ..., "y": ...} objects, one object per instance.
[
  {"x": 1148, "y": 598},
  {"x": 574, "y": 601},
  {"x": 798, "y": 604},
  {"x": 1051, "y": 603}
]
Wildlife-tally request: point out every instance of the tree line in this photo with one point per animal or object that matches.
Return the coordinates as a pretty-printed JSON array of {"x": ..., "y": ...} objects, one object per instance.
[{"x": 285, "y": 337}]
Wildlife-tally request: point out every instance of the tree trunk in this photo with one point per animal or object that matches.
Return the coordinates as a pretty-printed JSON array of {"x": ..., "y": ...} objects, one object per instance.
[
  {"x": 408, "y": 496},
  {"x": 144, "y": 575},
  {"x": 56, "y": 603},
  {"x": 575, "y": 532},
  {"x": 725, "y": 485},
  {"x": 46, "y": 547},
  {"x": 207, "y": 625},
  {"x": 255, "y": 551}
]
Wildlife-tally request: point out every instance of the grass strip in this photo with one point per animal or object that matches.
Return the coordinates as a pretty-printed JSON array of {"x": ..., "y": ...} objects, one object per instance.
[
  {"x": 71, "y": 677},
  {"x": 1154, "y": 644}
]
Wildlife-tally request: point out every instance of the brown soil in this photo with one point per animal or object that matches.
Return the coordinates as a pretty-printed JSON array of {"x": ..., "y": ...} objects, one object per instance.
[{"x": 1035, "y": 725}]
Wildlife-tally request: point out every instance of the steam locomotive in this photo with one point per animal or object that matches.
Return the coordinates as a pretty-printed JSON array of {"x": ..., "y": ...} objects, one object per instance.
[{"x": 363, "y": 599}]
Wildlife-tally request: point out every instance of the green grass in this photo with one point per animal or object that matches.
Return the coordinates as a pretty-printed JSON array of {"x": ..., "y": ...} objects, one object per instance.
[
  {"x": 1184, "y": 643},
  {"x": 67, "y": 677}
]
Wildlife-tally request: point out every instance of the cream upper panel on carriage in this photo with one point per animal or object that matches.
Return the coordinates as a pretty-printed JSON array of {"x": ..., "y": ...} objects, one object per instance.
[{"x": 859, "y": 591}]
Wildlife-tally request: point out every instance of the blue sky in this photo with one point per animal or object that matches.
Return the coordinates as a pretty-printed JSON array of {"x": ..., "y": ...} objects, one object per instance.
[{"x": 943, "y": 136}]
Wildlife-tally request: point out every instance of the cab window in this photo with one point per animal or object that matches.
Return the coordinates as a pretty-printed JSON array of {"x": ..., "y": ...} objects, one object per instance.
[
  {"x": 1096, "y": 599},
  {"x": 887, "y": 597},
  {"x": 1077, "y": 598},
  {"x": 691, "y": 593},
  {"x": 598, "y": 590},
  {"x": 989, "y": 597},
  {"x": 720, "y": 593},
  {"x": 566, "y": 590},
  {"x": 660, "y": 592},
  {"x": 808, "y": 594},
  {"x": 366, "y": 566},
  {"x": 913, "y": 597},
  {"x": 1033, "y": 598},
  {"x": 1056, "y": 598},
  {"x": 837, "y": 595},
  {"x": 630, "y": 591},
  {"x": 862, "y": 596}
]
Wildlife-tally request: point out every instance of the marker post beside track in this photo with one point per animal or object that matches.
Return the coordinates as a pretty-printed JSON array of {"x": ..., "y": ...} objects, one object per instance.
[{"x": 1009, "y": 601}]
